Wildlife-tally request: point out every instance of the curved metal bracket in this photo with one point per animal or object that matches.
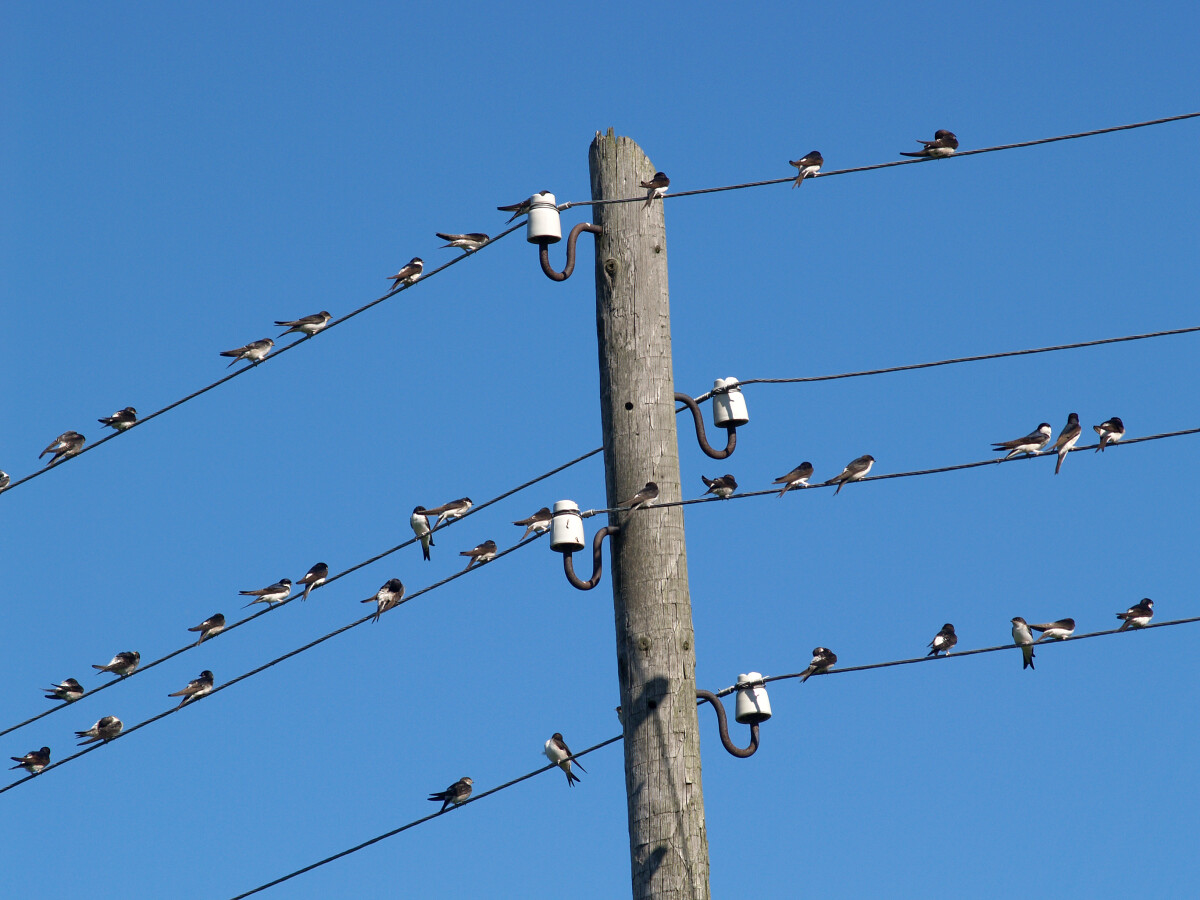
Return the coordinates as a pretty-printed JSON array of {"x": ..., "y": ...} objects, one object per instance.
[
  {"x": 597, "y": 561},
  {"x": 723, "y": 724},
  {"x": 698, "y": 417},
  {"x": 544, "y": 251}
]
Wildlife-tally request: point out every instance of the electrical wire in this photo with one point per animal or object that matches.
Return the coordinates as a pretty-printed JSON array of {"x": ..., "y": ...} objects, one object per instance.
[
  {"x": 275, "y": 354},
  {"x": 330, "y": 580},
  {"x": 216, "y": 690},
  {"x": 971, "y": 465},
  {"x": 961, "y": 359},
  {"x": 955, "y": 655},
  {"x": 887, "y": 165},
  {"x": 423, "y": 819}
]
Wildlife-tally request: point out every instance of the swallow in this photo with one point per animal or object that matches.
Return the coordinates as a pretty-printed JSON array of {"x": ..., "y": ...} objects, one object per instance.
[
  {"x": 4, "y": 479},
  {"x": 387, "y": 596},
  {"x": 643, "y": 498},
  {"x": 455, "y": 794},
  {"x": 1066, "y": 439},
  {"x": 856, "y": 470},
  {"x": 455, "y": 509},
  {"x": 210, "y": 627},
  {"x": 1023, "y": 639},
  {"x": 943, "y": 641},
  {"x": 722, "y": 487},
  {"x": 537, "y": 523},
  {"x": 308, "y": 325},
  {"x": 823, "y": 660},
  {"x": 809, "y": 165},
  {"x": 255, "y": 351},
  {"x": 520, "y": 209},
  {"x": 656, "y": 187},
  {"x": 468, "y": 243},
  {"x": 105, "y": 729},
  {"x": 121, "y": 420},
  {"x": 65, "y": 445},
  {"x": 798, "y": 477},
  {"x": 409, "y": 274},
  {"x": 944, "y": 144},
  {"x": 1058, "y": 630},
  {"x": 196, "y": 688},
  {"x": 35, "y": 760},
  {"x": 69, "y": 690},
  {"x": 419, "y": 522},
  {"x": 1137, "y": 616},
  {"x": 124, "y": 663},
  {"x": 1110, "y": 431},
  {"x": 314, "y": 577},
  {"x": 271, "y": 594},
  {"x": 481, "y": 554},
  {"x": 559, "y": 753},
  {"x": 1030, "y": 445}
]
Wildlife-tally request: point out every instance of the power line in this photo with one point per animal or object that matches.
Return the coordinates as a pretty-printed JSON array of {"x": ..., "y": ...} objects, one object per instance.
[
  {"x": 423, "y": 819},
  {"x": 971, "y": 465},
  {"x": 330, "y": 580},
  {"x": 243, "y": 370},
  {"x": 920, "y": 659},
  {"x": 887, "y": 165},
  {"x": 273, "y": 662},
  {"x": 960, "y": 359}
]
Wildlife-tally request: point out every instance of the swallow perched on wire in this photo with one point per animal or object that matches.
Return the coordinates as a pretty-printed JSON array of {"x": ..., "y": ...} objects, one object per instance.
[
  {"x": 105, "y": 729},
  {"x": 4, "y": 479},
  {"x": 123, "y": 664},
  {"x": 1058, "y": 630},
  {"x": 455, "y": 509},
  {"x": 655, "y": 187},
  {"x": 809, "y": 165},
  {"x": 643, "y": 498},
  {"x": 1023, "y": 639},
  {"x": 307, "y": 325},
  {"x": 69, "y": 690},
  {"x": 520, "y": 209},
  {"x": 65, "y": 445},
  {"x": 409, "y": 274},
  {"x": 210, "y": 627},
  {"x": 823, "y": 660},
  {"x": 855, "y": 470},
  {"x": 455, "y": 794},
  {"x": 1110, "y": 431},
  {"x": 255, "y": 351},
  {"x": 944, "y": 144},
  {"x": 196, "y": 688},
  {"x": 468, "y": 243},
  {"x": 559, "y": 754},
  {"x": 314, "y": 577},
  {"x": 537, "y": 523},
  {"x": 481, "y": 554},
  {"x": 1030, "y": 445},
  {"x": 121, "y": 420},
  {"x": 1067, "y": 439},
  {"x": 271, "y": 594},
  {"x": 796, "y": 478},
  {"x": 386, "y": 597},
  {"x": 33, "y": 761},
  {"x": 722, "y": 487},
  {"x": 1138, "y": 615},
  {"x": 419, "y": 522},
  {"x": 943, "y": 641}
]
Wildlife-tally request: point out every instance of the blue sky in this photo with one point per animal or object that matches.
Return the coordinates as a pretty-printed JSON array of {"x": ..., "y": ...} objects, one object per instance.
[{"x": 180, "y": 176}]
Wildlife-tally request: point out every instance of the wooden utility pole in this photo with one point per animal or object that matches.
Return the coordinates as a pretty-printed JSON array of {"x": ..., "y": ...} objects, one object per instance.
[{"x": 656, "y": 657}]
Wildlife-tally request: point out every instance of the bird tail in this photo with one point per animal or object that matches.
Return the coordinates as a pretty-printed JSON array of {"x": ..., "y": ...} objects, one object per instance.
[
  {"x": 571, "y": 778},
  {"x": 425, "y": 545},
  {"x": 921, "y": 153},
  {"x": 1061, "y": 457}
]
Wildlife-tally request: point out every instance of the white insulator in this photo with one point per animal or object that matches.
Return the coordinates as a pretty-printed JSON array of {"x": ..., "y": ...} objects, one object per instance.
[
  {"x": 729, "y": 406},
  {"x": 566, "y": 529},
  {"x": 752, "y": 702},
  {"x": 544, "y": 225}
]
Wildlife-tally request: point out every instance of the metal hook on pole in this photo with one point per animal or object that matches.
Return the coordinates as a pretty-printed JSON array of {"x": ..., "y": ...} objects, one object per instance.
[
  {"x": 597, "y": 561},
  {"x": 723, "y": 725},
  {"x": 544, "y": 251}
]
